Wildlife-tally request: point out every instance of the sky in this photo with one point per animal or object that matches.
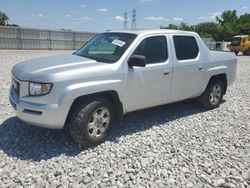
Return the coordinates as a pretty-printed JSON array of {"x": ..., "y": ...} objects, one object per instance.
[{"x": 102, "y": 15}]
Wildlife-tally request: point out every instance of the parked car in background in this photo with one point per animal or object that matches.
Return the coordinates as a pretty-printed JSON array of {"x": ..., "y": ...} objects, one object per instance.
[{"x": 116, "y": 73}]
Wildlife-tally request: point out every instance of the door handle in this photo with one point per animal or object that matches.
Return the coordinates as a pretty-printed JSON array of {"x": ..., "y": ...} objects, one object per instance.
[
  {"x": 200, "y": 68},
  {"x": 166, "y": 72}
]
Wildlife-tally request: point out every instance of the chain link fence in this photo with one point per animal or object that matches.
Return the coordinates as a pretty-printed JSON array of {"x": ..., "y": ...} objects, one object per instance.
[{"x": 26, "y": 38}]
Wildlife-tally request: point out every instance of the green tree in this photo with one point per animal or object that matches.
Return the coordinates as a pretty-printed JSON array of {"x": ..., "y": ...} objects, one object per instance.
[
  {"x": 170, "y": 26},
  {"x": 227, "y": 17},
  {"x": 227, "y": 25},
  {"x": 244, "y": 22},
  {"x": 229, "y": 22},
  {"x": 208, "y": 30},
  {"x": 66, "y": 30},
  {"x": 182, "y": 26},
  {"x": 186, "y": 27},
  {"x": 12, "y": 25},
  {"x": 3, "y": 19}
]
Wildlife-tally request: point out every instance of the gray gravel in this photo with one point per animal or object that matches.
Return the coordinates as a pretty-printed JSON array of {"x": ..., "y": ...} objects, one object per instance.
[{"x": 177, "y": 145}]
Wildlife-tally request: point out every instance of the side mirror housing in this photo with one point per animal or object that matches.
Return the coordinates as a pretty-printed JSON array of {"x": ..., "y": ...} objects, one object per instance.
[{"x": 137, "y": 61}]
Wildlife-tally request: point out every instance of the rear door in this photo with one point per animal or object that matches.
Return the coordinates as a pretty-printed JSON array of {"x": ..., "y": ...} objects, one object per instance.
[
  {"x": 188, "y": 67},
  {"x": 149, "y": 86}
]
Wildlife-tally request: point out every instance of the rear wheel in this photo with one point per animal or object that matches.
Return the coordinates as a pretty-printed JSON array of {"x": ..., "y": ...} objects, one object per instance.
[
  {"x": 247, "y": 52},
  {"x": 212, "y": 96},
  {"x": 91, "y": 121}
]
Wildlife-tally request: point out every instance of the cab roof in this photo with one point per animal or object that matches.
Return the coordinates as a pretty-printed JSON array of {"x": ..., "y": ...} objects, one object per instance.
[{"x": 154, "y": 31}]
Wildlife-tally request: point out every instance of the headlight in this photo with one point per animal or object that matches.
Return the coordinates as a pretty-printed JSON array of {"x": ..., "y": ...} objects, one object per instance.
[{"x": 36, "y": 89}]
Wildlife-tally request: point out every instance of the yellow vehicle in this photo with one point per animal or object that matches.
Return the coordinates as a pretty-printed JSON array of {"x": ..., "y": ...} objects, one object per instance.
[{"x": 241, "y": 43}]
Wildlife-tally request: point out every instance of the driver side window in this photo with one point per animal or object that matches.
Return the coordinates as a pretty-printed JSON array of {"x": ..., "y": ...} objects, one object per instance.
[{"x": 154, "y": 49}]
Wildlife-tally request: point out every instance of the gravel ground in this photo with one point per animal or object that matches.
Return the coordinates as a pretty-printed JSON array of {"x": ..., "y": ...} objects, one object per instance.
[{"x": 177, "y": 145}]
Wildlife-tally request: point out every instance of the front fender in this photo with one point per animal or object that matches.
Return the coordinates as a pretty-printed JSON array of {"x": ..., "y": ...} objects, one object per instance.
[{"x": 74, "y": 91}]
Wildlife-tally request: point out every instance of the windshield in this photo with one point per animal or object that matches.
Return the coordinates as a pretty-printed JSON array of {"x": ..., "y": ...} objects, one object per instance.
[
  {"x": 235, "y": 41},
  {"x": 107, "y": 47}
]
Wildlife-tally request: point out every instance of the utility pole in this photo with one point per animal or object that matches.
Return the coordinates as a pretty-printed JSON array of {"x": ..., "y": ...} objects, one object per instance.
[
  {"x": 133, "y": 27},
  {"x": 125, "y": 23}
]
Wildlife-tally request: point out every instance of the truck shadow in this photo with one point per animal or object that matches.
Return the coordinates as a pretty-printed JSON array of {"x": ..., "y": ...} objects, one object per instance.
[{"x": 26, "y": 142}]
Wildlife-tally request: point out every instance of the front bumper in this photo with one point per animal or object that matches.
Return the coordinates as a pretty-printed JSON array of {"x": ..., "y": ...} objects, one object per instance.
[{"x": 52, "y": 116}]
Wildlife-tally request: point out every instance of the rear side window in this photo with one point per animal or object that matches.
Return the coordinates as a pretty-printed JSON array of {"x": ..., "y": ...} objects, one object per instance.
[
  {"x": 154, "y": 49},
  {"x": 186, "y": 47}
]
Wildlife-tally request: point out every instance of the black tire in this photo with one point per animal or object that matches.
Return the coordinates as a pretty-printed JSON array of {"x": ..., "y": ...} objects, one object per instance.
[
  {"x": 205, "y": 100},
  {"x": 236, "y": 53},
  {"x": 80, "y": 118},
  {"x": 247, "y": 52}
]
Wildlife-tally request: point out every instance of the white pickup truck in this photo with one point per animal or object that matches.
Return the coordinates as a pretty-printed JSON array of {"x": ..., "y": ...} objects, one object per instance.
[{"x": 116, "y": 73}]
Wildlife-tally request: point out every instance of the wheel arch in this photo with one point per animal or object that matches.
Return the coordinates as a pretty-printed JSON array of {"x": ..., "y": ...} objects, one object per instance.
[{"x": 111, "y": 95}]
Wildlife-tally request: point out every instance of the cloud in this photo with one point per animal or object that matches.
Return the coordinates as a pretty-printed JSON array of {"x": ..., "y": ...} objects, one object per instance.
[
  {"x": 41, "y": 16},
  {"x": 245, "y": 7},
  {"x": 211, "y": 17},
  {"x": 119, "y": 18},
  {"x": 75, "y": 22},
  {"x": 178, "y": 19},
  {"x": 102, "y": 10},
  {"x": 204, "y": 18},
  {"x": 85, "y": 18},
  {"x": 68, "y": 15},
  {"x": 145, "y": 1},
  {"x": 156, "y": 19},
  {"x": 83, "y": 6},
  {"x": 216, "y": 14}
]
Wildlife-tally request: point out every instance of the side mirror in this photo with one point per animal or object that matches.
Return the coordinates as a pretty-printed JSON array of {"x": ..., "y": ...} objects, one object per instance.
[{"x": 137, "y": 61}]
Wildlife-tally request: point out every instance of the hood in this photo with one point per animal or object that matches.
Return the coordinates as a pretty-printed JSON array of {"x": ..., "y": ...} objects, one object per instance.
[{"x": 48, "y": 69}]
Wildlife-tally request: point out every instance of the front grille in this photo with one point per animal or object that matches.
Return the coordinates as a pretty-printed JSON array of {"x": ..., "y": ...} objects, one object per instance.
[{"x": 16, "y": 85}]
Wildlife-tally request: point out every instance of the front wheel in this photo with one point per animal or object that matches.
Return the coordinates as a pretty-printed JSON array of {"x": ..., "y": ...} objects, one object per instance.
[
  {"x": 213, "y": 95},
  {"x": 91, "y": 121},
  {"x": 247, "y": 52}
]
